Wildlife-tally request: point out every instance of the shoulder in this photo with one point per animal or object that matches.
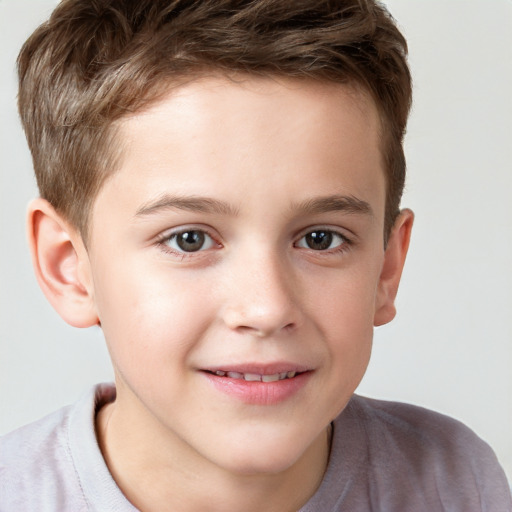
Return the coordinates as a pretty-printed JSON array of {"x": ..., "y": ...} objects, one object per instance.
[
  {"x": 33, "y": 437},
  {"x": 35, "y": 461},
  {"x": 411, "y": 422},
  {"x": 412, "y": 428},
  {"x": 405, "y": 457},
  {"x": 38, "y": 467}
]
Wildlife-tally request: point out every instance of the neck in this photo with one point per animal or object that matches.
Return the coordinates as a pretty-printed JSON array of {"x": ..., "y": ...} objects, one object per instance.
[{"x": 162, "y": 473}]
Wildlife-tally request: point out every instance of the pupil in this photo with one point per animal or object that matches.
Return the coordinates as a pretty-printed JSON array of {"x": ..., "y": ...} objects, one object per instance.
[
  {"x": 319, "y": 240},
  {"x": 190, "y": 241}
]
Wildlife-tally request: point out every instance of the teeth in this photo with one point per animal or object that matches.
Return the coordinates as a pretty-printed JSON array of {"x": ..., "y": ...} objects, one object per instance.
[
  {"x": 255, "y": 377},
  {"x": 270, "y": 378},
  {"x": 252, "y": 377}
]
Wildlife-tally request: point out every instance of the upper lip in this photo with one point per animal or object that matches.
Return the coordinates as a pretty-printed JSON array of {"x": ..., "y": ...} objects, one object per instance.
[{"x": 259, "y": 368}]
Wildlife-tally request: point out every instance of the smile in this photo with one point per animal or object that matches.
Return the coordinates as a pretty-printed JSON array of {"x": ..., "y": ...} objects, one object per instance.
[
  {"x": 257, "y": 385},
  {"x": 255, "y": 377}
]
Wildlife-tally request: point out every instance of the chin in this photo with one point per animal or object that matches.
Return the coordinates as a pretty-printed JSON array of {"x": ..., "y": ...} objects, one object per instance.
[
  {"x": 265, "y": 456},
  {"x": 258, "y": 465}
]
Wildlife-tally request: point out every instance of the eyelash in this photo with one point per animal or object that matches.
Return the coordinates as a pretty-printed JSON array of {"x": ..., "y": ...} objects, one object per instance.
[{"x": 165, "y": 239}]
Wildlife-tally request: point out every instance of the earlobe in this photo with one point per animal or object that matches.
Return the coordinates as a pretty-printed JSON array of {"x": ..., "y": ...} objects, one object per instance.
[
  {"x": 394, "y": 260},
  {"x": 61, "y": 264}
]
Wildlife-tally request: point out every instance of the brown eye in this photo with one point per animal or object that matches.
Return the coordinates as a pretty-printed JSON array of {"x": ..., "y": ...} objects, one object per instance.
[
  {"x": 321, "y": 240},
  {"x": 190, "y": 241}
]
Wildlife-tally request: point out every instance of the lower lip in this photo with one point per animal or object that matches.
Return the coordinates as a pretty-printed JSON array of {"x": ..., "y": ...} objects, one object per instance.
[{"x": 259, "y": 393}]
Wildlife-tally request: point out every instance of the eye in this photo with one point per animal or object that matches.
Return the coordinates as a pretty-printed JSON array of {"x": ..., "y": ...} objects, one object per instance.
[
  {"x": 322, "y": 240},
  {"x": 191, "y": 240}
]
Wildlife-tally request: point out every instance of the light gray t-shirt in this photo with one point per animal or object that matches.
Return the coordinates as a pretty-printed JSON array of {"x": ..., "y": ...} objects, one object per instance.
[{"x": 385, "y": 456}]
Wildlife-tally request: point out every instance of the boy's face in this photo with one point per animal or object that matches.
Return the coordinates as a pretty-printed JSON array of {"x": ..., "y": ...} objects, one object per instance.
[{"x": 242, "y": 236}]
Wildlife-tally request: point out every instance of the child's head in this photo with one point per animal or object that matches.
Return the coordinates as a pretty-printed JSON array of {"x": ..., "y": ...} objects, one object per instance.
[
  {"x": 94, "y": 62},
  {"x": 235, "y": 255}
]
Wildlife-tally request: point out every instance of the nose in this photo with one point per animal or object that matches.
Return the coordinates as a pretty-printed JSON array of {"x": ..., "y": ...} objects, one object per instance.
[{"x": 261, "y": 295}]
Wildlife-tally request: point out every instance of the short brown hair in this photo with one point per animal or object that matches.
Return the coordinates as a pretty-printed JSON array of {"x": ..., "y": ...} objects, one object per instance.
[{"x": 94, "y": 61}]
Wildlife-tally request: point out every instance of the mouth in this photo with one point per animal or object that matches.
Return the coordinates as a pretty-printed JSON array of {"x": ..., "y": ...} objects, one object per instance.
[
  {"x": 255, "y": 377},
  {"x": 259, "y": 384}
]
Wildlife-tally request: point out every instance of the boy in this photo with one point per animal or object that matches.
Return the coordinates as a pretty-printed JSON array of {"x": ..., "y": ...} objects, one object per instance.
[{"x": 220, "y": 189}]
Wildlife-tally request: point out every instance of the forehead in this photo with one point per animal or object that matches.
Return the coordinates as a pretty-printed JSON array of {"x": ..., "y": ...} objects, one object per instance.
[
  {"x": 217, "y": 95},
  {"x": 248, "y": 100},
  {"x": 250, "y": 136}
]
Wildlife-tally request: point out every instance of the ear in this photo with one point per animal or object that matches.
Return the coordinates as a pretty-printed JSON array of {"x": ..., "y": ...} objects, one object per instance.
[
  {"x": 394, "y": 260},
  {"x": 61, "y": 264}
]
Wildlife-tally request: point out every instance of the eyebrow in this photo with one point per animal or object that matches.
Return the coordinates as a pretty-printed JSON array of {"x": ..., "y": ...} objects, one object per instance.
[
  {"x": 333, "y": 203},
  {"x": 317, "y": 205},
  {"x": 188, "y": 203}
]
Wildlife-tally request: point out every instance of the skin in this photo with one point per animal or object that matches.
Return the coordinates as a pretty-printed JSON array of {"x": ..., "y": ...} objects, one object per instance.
[{"x": 277, "y": 160}]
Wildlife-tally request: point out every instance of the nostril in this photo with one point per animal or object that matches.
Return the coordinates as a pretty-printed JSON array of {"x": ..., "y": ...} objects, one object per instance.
[{"x": 263, "y": 331}]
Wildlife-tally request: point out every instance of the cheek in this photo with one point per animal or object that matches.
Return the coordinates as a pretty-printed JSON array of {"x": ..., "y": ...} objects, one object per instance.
[
  {"x": 345, "y": 298},
  {"x": 149, "y": 319},
  {"x": 345, "y": 315}
]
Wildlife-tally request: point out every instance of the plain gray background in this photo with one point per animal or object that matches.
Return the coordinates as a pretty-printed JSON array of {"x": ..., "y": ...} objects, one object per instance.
[{"x": 450, "y": 348}]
